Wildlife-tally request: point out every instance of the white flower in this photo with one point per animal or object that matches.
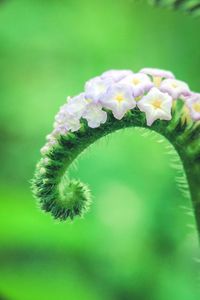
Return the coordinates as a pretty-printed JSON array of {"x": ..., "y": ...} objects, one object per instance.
[
  {"x": 58, "y": 130},
  {"x": 70, "y": 122},
  {"x": 95, "y": 115},
  {"x": 46, "y": 148},
  {"x": 116, "y": 75},
  {"x": 68, "y": 118},
  {"x": 193, "y": 103},
  {"x": 96, "y": 88},
  {"x": 156, "y": 105},
  {"x": 140, "y": 83},
  {"x": 157, "y": 73},
  {"x": 175, "y": 88},
  {"x": 119, "y": 99},
  {"x": 76, "y": 105}
]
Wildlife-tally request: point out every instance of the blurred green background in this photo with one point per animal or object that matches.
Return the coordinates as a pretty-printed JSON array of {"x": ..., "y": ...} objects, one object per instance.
[{"x": 138, "y": 241}]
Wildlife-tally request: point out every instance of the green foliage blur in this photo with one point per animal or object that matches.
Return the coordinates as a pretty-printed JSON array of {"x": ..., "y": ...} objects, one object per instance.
[{"x": 138, "y": 240}]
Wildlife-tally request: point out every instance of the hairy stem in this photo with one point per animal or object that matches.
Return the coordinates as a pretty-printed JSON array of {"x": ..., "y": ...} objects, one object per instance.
[
  {"x": 192, "y": 171},
  {"x": 189, "y": 6},
  {"x": 65, "y": 198}
]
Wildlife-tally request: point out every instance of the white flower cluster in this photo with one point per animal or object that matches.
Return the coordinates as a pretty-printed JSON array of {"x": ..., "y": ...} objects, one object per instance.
[{"x": 153, "y": 91}]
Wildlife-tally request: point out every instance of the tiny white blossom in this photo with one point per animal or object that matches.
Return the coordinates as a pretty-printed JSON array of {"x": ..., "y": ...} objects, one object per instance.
[
  {"x": 58, "y": 130},
  {"x": 68, "y": 118},
  {"x": 119, "y": 99},
  {"x": 69, "y": 121},
  {"x": 175, "y": 88},
  {"x": 140, "y": 83},
  {"x": 116, "y": 75},
  {"x": 42, "y": 171},
  {"x": 157, "y": 73},
  {"x": 46, "y": 148},
  {"x": 72, "y": 123},
  {"x": 95, "y": 115},
  {"x": 156, "y": 105},
  {"x": 96, "y": 88},
  {"x": 193, "y": 103},
  {"x": 76, "y": 105}
]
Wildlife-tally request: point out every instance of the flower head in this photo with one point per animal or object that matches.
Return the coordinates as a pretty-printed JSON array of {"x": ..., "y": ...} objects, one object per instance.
[
  {"x": 95, "y": 115},
  {"x": 156, "y": 105},
  {"x": 157, "y": 73},
  {"x": 119, "y": 99},
  {"x": 96, "y": 88},
  {"x": 140, "y": 83},
  {"x": 193, "y": 103},
  {"x": 175, "y": 88},
  {"x": 116, "y": 75}
]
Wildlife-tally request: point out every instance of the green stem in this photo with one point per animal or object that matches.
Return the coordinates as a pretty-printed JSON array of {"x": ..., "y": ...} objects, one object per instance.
[
  {"x": 185, "y": 5},
  {"x": 65, "y": 198},
  {"x": 192, "y": 171}
]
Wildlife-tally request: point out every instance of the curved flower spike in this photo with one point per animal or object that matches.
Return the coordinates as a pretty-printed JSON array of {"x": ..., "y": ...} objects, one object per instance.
[{"x": 86, "y": 118}]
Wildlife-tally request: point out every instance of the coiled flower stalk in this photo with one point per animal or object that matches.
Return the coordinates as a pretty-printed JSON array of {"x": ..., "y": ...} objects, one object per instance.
[
  {"x": 189, "y": 6},
  {"x": 117, "y": 99}
]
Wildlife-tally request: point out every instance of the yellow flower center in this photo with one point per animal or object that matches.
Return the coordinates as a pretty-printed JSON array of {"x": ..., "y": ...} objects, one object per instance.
[
  {"x": 157, "y": 80},
  {"x": 157, "y": 103},
  {"x": 196, "y": 107},
  {"x": 135, "y": 81},
  {"x": 174, "y": 85},
  {"x": 119, "y": 98}
]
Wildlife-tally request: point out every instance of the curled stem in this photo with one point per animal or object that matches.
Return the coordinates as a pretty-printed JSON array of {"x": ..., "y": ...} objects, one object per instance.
[{"x": 65, "y": 198}]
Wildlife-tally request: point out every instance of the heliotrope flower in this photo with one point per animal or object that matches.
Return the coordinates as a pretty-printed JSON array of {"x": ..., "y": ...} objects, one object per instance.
[
  {"x": 140, "y": 83},
  {"x": 175, "y": 88},
  {"x": 156, "y": 105},
  {"x": 68, "y": 118},
  {"x": 76, "y": 106},
  {"x": 116, "y": 75},
  {"x": 95, "y": 115},
  {"x": 70, "y": 121},
  {"x": 119, "y": 99},
  {"x": 193, "y": 103},
  {"x": 48, "y": 146},
  {"x": 58, "y": 130},
  {"x": 157, "y": 73},
  {"x": 117, "y": 90},
  {"x": 96, "y": 88}
]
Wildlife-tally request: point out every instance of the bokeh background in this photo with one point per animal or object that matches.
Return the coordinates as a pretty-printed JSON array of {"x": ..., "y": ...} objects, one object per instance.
[{"x": 138, "y": 240}]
